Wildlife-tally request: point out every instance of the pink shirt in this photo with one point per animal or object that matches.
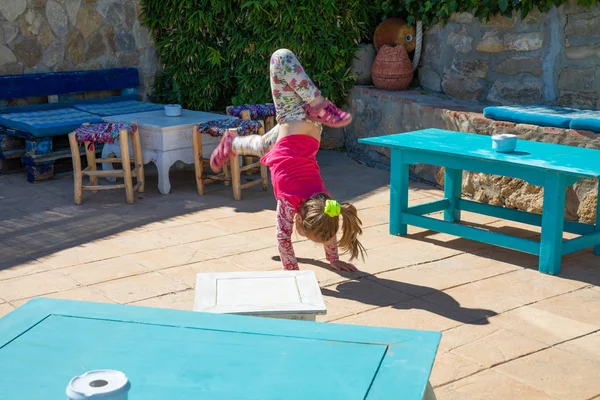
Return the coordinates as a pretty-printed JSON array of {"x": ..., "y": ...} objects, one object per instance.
[{"x": 295, "y": 174}]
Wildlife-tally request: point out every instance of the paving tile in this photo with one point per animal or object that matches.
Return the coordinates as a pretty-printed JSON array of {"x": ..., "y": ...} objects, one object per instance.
[
  {"x": 105, "y": 270},
  {"x": 411, "y": 314},
  {"x": 192, "y": 232},
  {"x": 169, "y": 257},
  {"x": 260, "y": 260},
  {"x": 489, "y": 385},
  {"x": 5, "y": 308},
  {"x": 229, "y": 245},
  {"x": 450, "y": 367},
  {"x": 461, "y": 269},
  {"x": 587, "y": 346},
  {"x": 80, "y": 294},
  {"x": 36, "y": 285},
  {"x": 545, "y": 326},
  {"x": 501, "y": 293},
  {"x": 243, "y": 222},
  {"x": 467, "y": 333},
  {"x": 186, "y": 274},
  {"x": 140, "y": 287},
  {"x": 178, "y": 301},
  {"x": 580, "y": 305},
  {"x": 498, "y": 347},
  {"x": 24, "y": 267},
  {"x": 556, "y": 372},
  {"x": 80, "y": 254},
  {"x": 352, "y": 297}
]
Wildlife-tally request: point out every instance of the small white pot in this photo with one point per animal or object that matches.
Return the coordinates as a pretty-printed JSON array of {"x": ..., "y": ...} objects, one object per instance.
[
  {"x": 504, "y": 143},
  {"x": 172, "y": 110}
]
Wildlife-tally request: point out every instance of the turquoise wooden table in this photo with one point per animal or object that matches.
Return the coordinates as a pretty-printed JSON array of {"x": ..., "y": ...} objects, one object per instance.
[
  {"x": 549, "y": 165},
  {"x": 170, "y": 354}
]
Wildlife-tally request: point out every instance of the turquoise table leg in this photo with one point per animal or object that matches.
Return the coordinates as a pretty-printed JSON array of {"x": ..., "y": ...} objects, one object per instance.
[
  {"x": 398, "y": 193},
  {"x": 553, "y": 217},
  {"x": 452, "y": 192},
  {"x": 597, "y": 248}
]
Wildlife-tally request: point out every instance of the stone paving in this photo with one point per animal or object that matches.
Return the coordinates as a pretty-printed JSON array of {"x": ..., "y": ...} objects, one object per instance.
[{"x": 509, "y": 332}]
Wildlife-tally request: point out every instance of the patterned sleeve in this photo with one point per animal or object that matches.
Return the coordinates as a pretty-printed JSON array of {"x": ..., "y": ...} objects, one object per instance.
[
  {"x": 331, "y": 250},
  {"x": 285, "y": 221}
]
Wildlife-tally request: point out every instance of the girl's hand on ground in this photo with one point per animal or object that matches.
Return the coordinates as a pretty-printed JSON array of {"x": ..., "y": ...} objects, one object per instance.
[{"x": 340, "y": 265}]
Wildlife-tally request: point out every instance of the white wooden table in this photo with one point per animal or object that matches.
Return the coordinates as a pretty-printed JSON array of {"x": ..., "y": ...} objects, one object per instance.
[
  {"x": 273, "y": 294},
  {"x": 165, "y": 140}
]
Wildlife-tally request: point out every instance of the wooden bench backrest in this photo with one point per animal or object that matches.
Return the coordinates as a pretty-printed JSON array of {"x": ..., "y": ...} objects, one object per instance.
[{"x": 61, "y": 83}]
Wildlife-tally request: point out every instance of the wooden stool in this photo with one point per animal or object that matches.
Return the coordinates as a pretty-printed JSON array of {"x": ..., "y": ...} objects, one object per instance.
[
  {"x": 256, "y": 112},
  {"x": 231, "y": 170},
  {"x": 92, "y": 134},
  {"x": 272, "y": 294}
]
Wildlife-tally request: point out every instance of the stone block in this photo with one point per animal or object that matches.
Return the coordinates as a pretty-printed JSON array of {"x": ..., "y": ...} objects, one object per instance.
[
  {"x": 461, "y": 41},
  {"x": 362, "y": 63},
  {"x": 6, "y": 56},
  {"x": 491, "y": 43},
  {"x": 523, "y": 41},
  {"x": 461, "y": 86},
  {"x": 57, "y": 18},
  {"x": 583, "y": 80},
  {"x": 54, "y": 53},
  {"x": 500, "y": 22},
  {"x": 430, "y": 79},
  {"x": 75, "y": 48},
  {"x": 28, "y": 51},
  {"x": 12, "y": 9},
  {"x": 519, "y": 65},
  {"x": 526, "y": 91},
  {"x": 88, "y": 20},
  {"x": 581, "y": 52}
]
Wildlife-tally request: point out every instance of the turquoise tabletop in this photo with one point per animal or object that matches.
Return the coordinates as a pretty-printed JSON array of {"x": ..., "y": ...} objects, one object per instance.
[
  {"x": 560, "y": 158},
  {"x": 169, "y": 354}
]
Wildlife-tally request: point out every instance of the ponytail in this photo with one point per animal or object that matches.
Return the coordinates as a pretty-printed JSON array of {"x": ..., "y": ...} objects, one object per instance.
[{"x": 351, "y": 228}]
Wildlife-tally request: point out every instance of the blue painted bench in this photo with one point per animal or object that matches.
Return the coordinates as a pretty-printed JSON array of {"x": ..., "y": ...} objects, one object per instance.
[
  {"x": 42, "y": 128},
  {"x": 549, "y": 165},
  {"x": 170, "y": 354}
]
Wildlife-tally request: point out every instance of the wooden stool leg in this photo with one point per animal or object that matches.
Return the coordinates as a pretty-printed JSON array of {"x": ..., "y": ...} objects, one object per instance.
[
  {"x": 90, "y": 155},
  {"x": 138, "y": 160},
  {"x": 264, "y": 176},
  {"x": 247, "y": 159},
  {"x": 198, "y": 165},
  {"x": 77, "y": 177},
  {"x": 235, "y": 176},
  {"x": 126, "y": 162}
]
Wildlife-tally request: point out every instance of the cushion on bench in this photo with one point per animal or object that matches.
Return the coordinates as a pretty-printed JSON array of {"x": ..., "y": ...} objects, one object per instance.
[
  {"x": 118, "y": 108},
  {"x": 219, "y": 127},
  {"x": 257, "y": 111},
  {"x": 47, "y": 122},
  {"x": 102, "y": 133},
  {"x": 589, "y": 121},
  {"x": 559, "y": 117}
]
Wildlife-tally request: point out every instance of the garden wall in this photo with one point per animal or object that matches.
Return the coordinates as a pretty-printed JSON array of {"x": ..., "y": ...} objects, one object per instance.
[
  {"x": 550, "y": 57},
  {"x": 67, "y": 35}
]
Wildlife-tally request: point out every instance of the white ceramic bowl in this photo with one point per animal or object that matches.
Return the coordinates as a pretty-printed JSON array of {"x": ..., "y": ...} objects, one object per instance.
[
  {"x": 172, "y": 110},
  {"x": 504, "y": 143}
]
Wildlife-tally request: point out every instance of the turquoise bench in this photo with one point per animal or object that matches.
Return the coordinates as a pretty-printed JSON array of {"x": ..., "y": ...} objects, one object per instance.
[
  {"x": 42, "y": 128},
  {"x": 549, "y": 165},
  {"x": 169, "y": 354}
]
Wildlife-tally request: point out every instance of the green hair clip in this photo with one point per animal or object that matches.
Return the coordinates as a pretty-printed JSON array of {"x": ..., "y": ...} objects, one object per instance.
[{"x": 332, "y": 208}]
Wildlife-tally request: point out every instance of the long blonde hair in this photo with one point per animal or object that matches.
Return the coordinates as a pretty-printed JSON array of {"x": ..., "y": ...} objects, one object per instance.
[{"x": 321, "y": 227}]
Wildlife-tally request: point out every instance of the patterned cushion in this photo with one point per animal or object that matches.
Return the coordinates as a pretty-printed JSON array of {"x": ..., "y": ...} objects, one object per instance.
[
  {"x": 559, "y": 117},
  {"x": 219, "y": 127},
  {"x": 44, "y": 123},
  {"x": 257, "y": 111},
  {"x": 119, "y": 107},
  {"x": 102, "y": 133}
]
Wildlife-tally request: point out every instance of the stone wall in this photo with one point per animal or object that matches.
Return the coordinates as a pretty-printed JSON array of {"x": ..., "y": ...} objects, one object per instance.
[
  {"x": 67, "y": 35},
  {"x": 378, "y": 113},
  {"x": 552, "y": 58}
]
